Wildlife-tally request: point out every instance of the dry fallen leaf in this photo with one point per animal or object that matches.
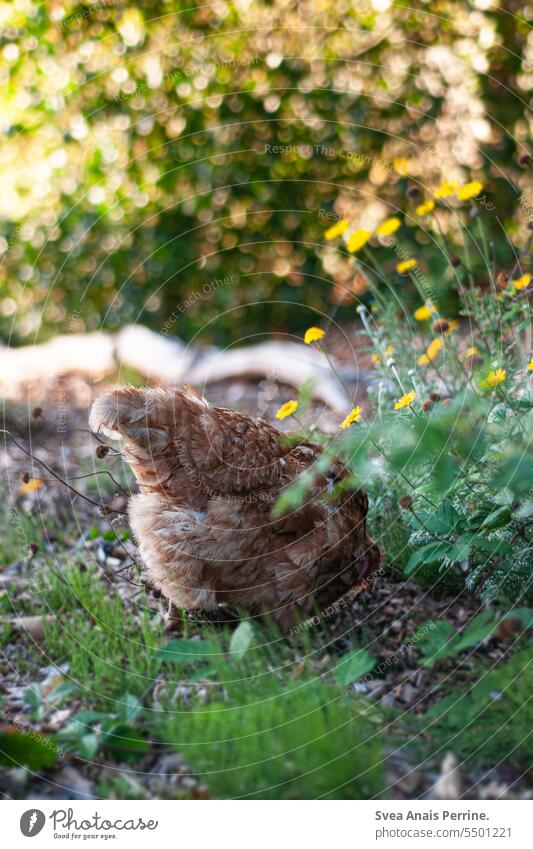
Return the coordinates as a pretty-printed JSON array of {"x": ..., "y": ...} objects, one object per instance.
[{"x": 33, "y": 625}]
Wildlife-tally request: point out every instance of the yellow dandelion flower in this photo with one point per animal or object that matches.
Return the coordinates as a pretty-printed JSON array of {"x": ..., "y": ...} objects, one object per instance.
[
  {"x": 313, "y": 334},
  {"x": 287, "y": 409},
  {"x": 401, "y": 165},
  {"x": 353, "y": 416},
  {"x": 30, "y": 486},
  {"x": 446, "y": 189},
  {"x": 470, "y": 352},
  {"x": 337, "y": 229},
  {"x": 405, "y": 400},
  {"x": 530, "y": 365},
  {"x": 493, "y": 379},
  {"x": 425, "y": 312},
  {"x": 522, "y": 282},
  {"x": 434, "y": 348},
  {"x": 357, "y": 240},
  {"x": 469, "y": 190},
  {"x": 431, "y": 352},
  {"x": 388, "y": 227},
  {"x": 425, "y": 208},
  {"x": 389, "y": 351},
  {"x": 406, "y": 265}
]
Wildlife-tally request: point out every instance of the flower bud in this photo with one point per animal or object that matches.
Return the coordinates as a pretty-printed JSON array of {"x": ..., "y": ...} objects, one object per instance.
[
  {"x": 25, "y": 478},
  {"x": 440, "y": 325},
  {"x": 405, "y": 502},
  {"x": 37, "y": 412},
  {"x": 455, "y": 261},
  {"x": 102, "y": 451}
]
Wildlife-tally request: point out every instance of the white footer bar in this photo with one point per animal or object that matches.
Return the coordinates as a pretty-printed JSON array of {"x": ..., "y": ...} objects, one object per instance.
[{"x": 256, "y": 825}]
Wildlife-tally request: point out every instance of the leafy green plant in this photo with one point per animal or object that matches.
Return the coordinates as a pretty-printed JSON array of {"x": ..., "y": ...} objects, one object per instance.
[
  {"x": 439, "y": 641},
  {"x": 353, "y": 666},
  {"x": 89, "y": 732},
  {"x": 40, "y": 704}
]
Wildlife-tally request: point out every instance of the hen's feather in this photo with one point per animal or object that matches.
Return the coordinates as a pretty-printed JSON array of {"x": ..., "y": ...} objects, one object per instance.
[{"x": 208, "y": 479}]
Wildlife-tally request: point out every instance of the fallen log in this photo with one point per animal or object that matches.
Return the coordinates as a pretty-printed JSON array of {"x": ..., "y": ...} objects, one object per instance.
[{"x": 168, "y": 360}]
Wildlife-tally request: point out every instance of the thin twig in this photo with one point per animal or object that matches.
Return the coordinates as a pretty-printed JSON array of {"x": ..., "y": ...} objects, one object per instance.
[{"x": 58, "y": 477}]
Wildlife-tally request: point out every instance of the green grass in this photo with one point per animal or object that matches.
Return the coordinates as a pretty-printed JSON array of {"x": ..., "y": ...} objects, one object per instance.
[
  {"x": 260, "y": 734},
  {"x": 264, "y": 736},
  {"x": 110, "y": 648},
  {"x": 19, "y": 529},
  {"x": 490, "y": 722}
]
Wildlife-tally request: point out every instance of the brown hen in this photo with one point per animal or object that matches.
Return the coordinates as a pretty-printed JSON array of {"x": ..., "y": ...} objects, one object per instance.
[{"x": 209, "y": 478}]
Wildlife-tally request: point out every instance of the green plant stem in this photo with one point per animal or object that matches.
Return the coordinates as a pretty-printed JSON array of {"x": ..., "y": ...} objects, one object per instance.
[
  {"x": 375, "y": 290},
  {"x": 333, "y": 369},
  {"x": 484, "y": 244}
]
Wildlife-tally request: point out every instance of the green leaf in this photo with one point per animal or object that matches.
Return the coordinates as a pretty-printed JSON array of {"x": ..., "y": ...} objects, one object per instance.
[
  {"x": 434, "y": 638},
  {"x": 87, "y": 717},
  {"x": 444, "y": 520},
  {"x": 129, "y": 708},
  {"x": 526, "y": 402},
  {"x": 426, "y": 554},
  {"x": 203, "y": 672},
  {"x": 504, "y": 498},
  {"x": 497, "y": 519},
  {"x": 461, "y": 548},
  {"x": 353, "y": 666},
  {"x": 62, "y": 691},
  {"x": 124, "y": 743},
  {"x": 478, "y": 630},
  {"x": 35, "y": 752},
  {"x": 187, "y": 651},
  {"x": 493, "y": 546},
  {"x": 32, "y": 696},
  {"x": 241, "y": 639},
  {"x": 87, "y": 745},
  {"x": 442, "y": 707}
]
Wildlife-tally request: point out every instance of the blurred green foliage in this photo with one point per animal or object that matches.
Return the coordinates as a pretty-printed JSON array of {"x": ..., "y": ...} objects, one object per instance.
[{"x": 155, "y": 148}]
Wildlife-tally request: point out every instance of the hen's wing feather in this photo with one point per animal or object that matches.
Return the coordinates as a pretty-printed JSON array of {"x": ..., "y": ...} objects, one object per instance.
[{"x": 173, "y": 439}]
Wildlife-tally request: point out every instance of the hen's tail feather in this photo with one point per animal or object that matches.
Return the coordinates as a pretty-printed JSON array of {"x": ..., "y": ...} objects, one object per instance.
[{"x": 141, "y": 414}]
